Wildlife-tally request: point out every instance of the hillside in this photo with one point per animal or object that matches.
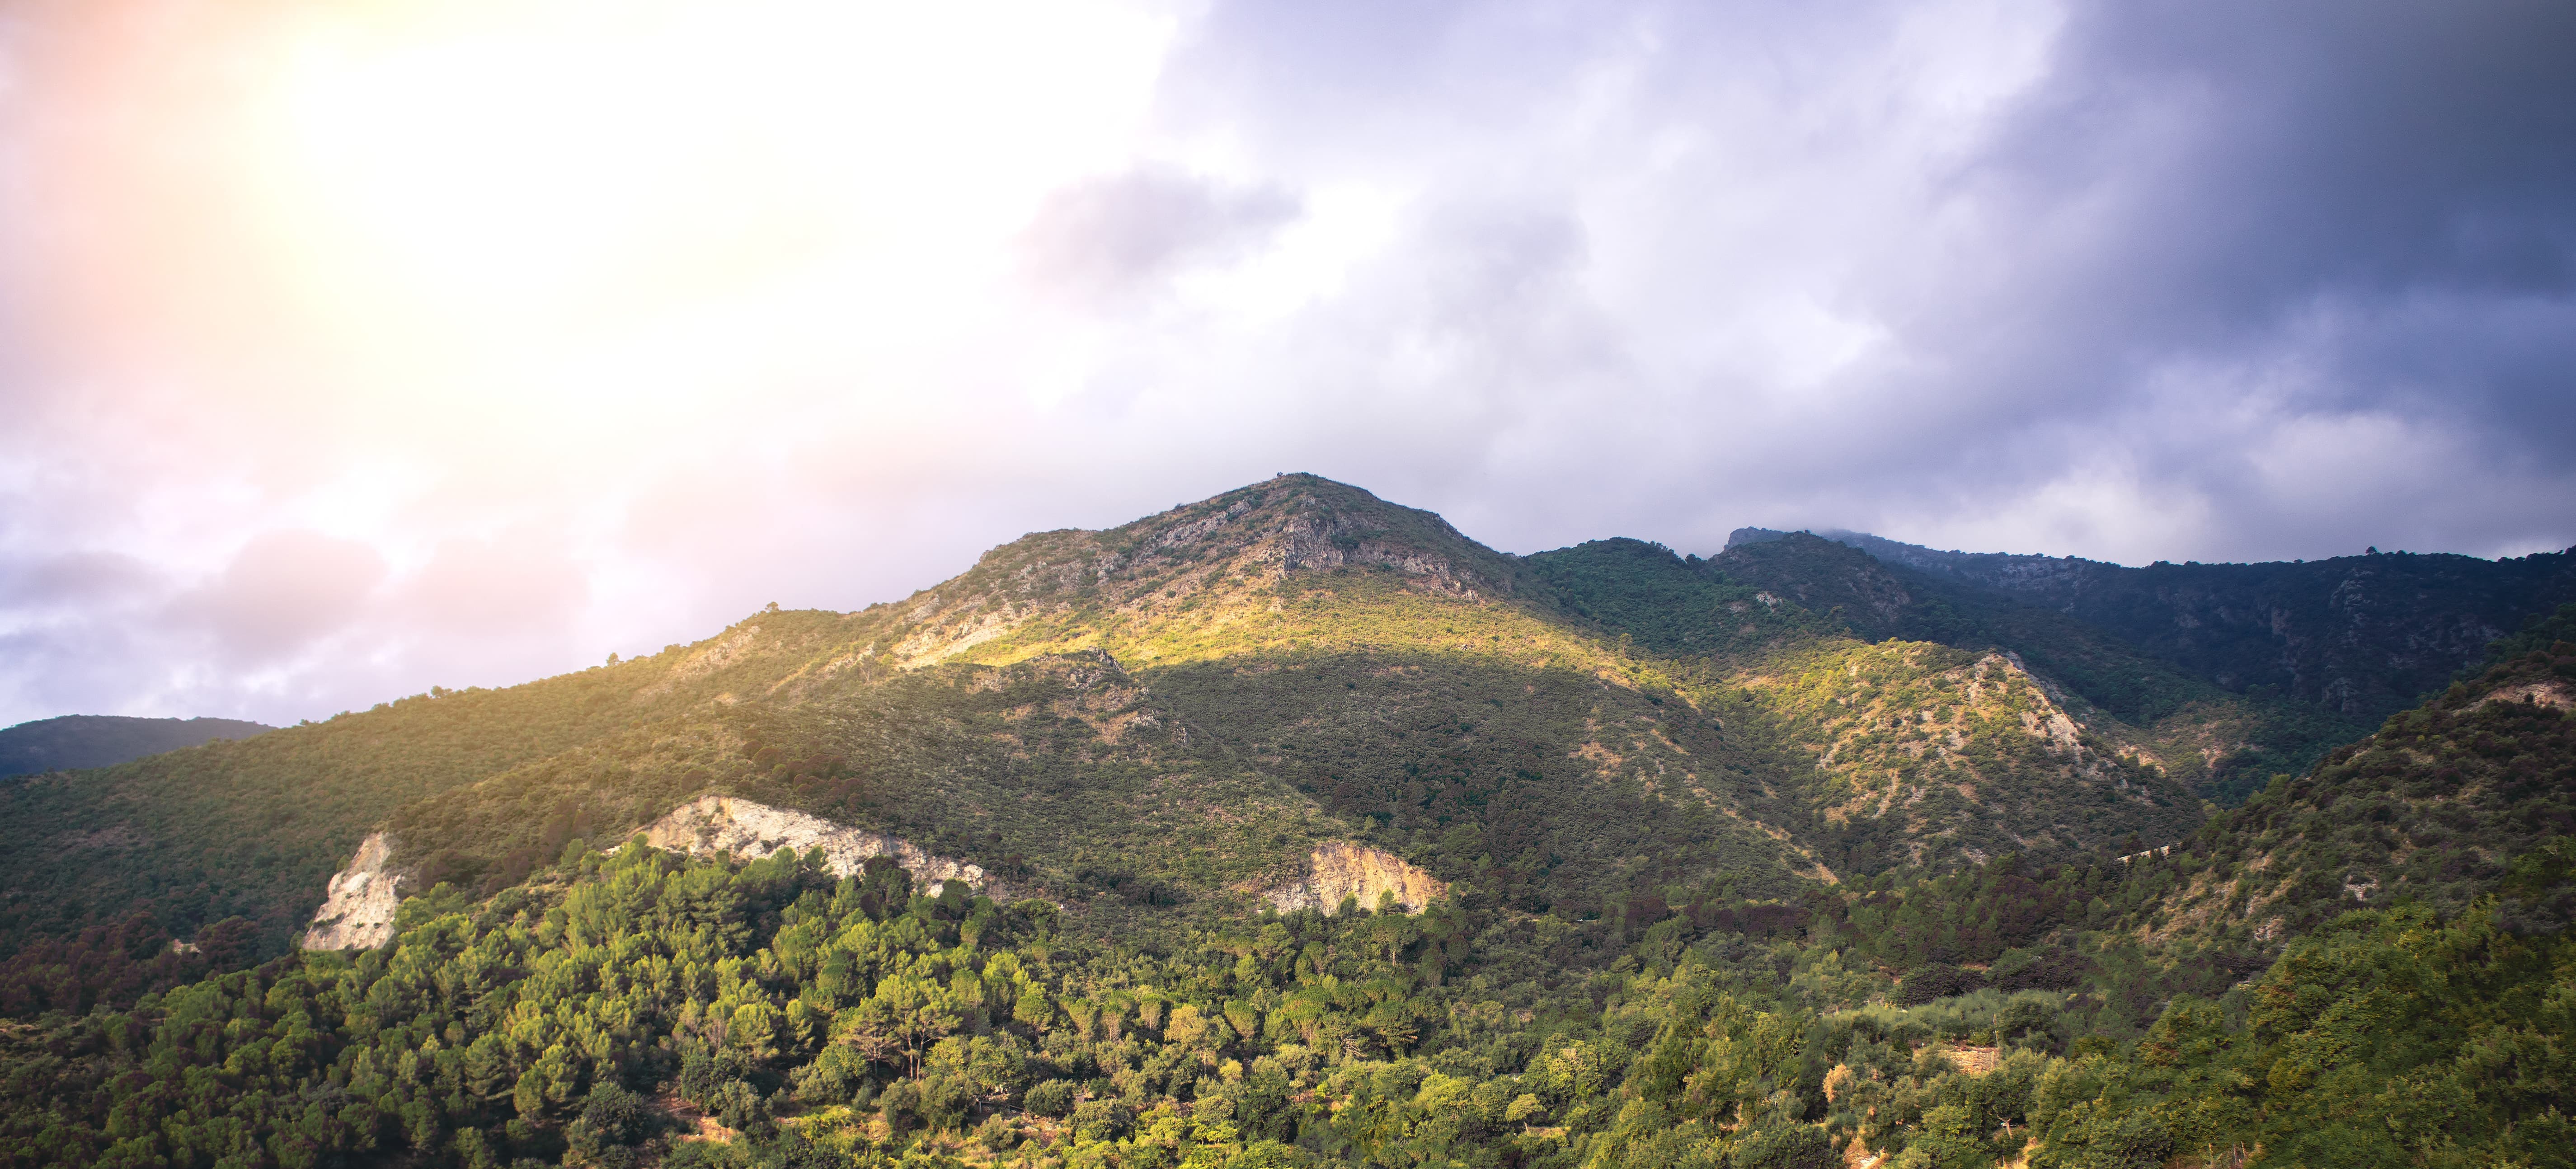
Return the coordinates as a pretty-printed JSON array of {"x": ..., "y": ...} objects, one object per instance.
[
  {"x": 1293, "y": 827},
  {"x": 643, "y": 1007},
  {"x": 2222, "y": 743},
  {"x": 1400, "y": 680},
  {"x": 1559, "y": 731},
  {"x": 99, "y": 740},
  {"x": 1402, "y": 684},
  {"x": 2364, "y": 636},
  {"x": 109, "y": 864},
  {"x": 2471, "y": 793},
  {"x": 1411, "y": 689},
  {"x": 1901, "y": 753}
]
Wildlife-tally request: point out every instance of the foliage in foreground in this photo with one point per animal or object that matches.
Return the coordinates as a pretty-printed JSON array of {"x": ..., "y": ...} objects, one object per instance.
[{"x": 641, "y": 1007}]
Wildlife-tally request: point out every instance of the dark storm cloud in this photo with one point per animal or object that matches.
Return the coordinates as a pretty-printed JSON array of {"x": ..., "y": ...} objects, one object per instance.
[
  {"x": 2261, "y": 166},
  {"x": 2357, "y": 211}
]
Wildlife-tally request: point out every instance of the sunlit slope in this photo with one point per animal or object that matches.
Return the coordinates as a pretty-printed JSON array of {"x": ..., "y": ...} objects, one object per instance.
[
  {"x": 1553, "y": 727},
  {"x": 1876, "y": 755},
  {"x": 1552, "y": 731},
  {"x": 1298, "y": 641},
  {"x": 1058, "y": 774},
  {"x": 255, "y": 827},
  {"x": 1273, "y": 567}
]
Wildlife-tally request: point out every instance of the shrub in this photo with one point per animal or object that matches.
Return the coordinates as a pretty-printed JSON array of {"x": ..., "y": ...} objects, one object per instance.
[{"x": 1052, "y": 1098}]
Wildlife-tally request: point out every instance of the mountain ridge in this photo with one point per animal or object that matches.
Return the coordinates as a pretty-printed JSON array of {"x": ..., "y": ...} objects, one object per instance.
[
  {"x": 79, "y": 741},
  {"x": 2364, "y": 636}
]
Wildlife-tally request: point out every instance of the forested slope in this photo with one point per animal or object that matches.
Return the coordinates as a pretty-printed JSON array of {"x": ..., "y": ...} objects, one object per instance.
[
  {"x": 2365, "y": 636},
  {"x": 644, "y": 1008}
]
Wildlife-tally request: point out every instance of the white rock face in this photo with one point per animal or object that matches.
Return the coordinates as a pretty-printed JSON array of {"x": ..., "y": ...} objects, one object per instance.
[
  {"x": 728, "y": 824},
  {"x": 359, "y": 913},
  {"x": 1338, "y": 869}
]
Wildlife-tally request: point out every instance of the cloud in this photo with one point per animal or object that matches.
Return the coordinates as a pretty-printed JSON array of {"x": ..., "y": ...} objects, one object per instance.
[
  {"x": 512, "y": 586},
  {"x": 1105, "y": 239},
  {"x": 281, "y": 593},
  {"x": 2135, "y": 282},
  {"x": 84, "y": 579}
]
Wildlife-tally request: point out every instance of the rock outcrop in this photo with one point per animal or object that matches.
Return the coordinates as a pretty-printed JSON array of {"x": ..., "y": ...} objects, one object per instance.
[
  {"x": 359, "y": 913},
  {"x": 739, "y": 827},
  {"x": 1338, "y": 869}
]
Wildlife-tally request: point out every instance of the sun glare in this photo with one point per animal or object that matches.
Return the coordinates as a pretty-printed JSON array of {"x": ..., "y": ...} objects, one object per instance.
[{"x": 534, "y": 175}]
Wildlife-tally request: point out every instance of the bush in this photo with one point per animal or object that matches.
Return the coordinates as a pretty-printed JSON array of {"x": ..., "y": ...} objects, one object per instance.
[
  {"x": 704, "y": 1074},
  {"x": 900, "y": 1103},
  {"x": 1101, "y": 1120},
  {"x": 612, "y": 1116},
  {"x": 738, "y": 1105},
  {"x": 1803, "y": 1146},
  {"x": 2037, "y": 970},
  {"x": 946, "y": 1102},
  {"x": 828, "y": 1080},
  {"x": 1269, "y": 1155},
  {"x": 1937, "y": 981},
  {"x": 1052, "y": 1098}
]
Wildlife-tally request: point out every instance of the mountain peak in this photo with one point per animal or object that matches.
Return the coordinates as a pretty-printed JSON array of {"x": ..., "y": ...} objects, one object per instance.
[{"x": 1064, "y": 589}]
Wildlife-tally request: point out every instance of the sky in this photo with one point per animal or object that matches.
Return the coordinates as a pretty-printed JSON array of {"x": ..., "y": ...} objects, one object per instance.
[{"x": 348, "y": 349}]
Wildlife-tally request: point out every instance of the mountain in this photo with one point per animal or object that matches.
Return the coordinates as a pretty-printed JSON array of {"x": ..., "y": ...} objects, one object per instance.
[
  {"x": 1294, "y": 827},
  {"x": 1558, "y": 732},
  {"x": 99, "y": 740},
  {"x": 2470, "y": 793},
  {"x": 2364, "y": 636}
]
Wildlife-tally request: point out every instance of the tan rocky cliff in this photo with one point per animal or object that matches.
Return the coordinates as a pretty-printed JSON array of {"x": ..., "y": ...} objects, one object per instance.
[
  {"x": 359, "y": 914},
  {"x": 1338, "y": 869},
  {"x": 742, "y": 828}
]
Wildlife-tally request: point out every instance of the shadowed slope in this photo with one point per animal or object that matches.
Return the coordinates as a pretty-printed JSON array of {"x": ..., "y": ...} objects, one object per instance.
[
  {"x": 2365, "y": 636},
  {"x": 99, "y": 740}
]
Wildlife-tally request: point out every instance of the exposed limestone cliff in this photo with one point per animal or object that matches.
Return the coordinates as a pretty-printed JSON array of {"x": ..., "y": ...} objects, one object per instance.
[
  {"x": 359, "y": 913},
  {"x": 727, "y": 824},
  {"x": 1337, "y": 869}
]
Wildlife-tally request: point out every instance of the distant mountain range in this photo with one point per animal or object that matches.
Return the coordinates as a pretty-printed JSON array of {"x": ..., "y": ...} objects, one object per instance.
[{"x": 103, "y": 740}]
